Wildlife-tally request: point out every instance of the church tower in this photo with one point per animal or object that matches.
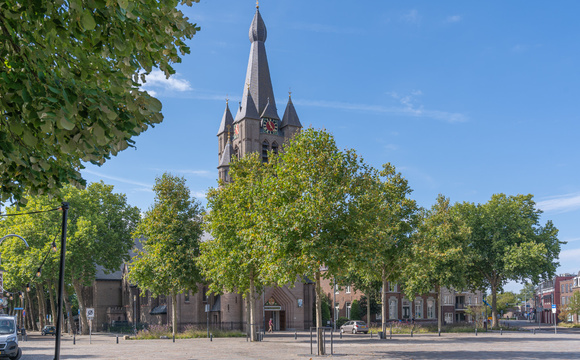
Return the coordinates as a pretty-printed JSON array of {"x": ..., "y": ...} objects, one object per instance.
[{"x": 257, "y": 126}]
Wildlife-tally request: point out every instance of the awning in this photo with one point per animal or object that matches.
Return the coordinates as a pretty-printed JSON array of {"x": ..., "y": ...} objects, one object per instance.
[{"x": 159, "y": 310}]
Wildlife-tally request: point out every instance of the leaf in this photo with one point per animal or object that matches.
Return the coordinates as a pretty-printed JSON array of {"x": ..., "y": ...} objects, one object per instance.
[
  {"x": 64, "y": 123},
  {"x": 123, "y": 4},
  {"x": 88, "y": 21}
]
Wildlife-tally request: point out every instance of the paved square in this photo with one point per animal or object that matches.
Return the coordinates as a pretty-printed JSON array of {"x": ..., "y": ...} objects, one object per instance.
[{"x": 511, "y": 345}]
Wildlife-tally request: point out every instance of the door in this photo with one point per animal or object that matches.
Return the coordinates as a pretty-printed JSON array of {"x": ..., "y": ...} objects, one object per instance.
[{"x": 282, "y": 320}]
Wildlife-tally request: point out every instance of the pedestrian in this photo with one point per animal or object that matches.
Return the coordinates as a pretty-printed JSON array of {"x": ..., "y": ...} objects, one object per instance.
[{"x": 271, "y": 324}]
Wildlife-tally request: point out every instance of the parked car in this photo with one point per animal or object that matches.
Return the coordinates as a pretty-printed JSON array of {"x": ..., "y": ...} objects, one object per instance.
[
  {"x": 9, "y": 338},
  {"x": 355, "y": 326},
  {"x": 48, "y": 330}
]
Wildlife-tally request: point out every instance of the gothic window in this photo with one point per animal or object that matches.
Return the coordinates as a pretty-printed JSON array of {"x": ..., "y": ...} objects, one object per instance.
[
  {"x": 237, "y": 151},
  {"x": 187, "y": 297},
  {"x": 275, "y": 148},
  {"x": 265, "y": 147}
]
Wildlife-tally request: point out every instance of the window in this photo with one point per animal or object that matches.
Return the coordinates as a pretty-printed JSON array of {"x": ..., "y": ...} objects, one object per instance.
[
  {"x": 430, "y": 309},
  {"x": 187, "y": 297},
  {"x": 418, "y": 308},
  {"x": 237, "y": 151},
  {"x": 348, "y": 310},
  {"x": 336, "y": 310},
  {"x": 347, "y": 289},
  {"x": 449, "y": 318},
  {"x": 475, "y": 300},
  {"x": 393, "y": 309},
  {"x": 406, "y": 309},
  {"x": 336, "y": 291},
  {"x": 275, "y": 148},
  {"x": 392, "y": 287},
  {"x": 265, "y": 147},
  {"x": 562, "y": 288}
]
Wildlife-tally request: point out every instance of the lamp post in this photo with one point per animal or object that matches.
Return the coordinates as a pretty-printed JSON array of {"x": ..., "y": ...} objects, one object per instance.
[
  {"x": 135, "y": 315},
  {"x": 64, "y": 208}
]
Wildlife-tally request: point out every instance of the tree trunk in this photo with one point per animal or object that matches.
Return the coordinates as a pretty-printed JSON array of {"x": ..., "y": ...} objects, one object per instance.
[
  {"x": 174, "y": 313},
  {"x": 439, "y": 308},
  {"x": 68, "y": 311},
  {"x": 494, "y": 306},
  {"x": 52, "y": 303},
  {"x": 83, "y": 313},
  {"x": 369, "y": 310},
  {"x": 248, "y": 320},
  {"x": 384, "y": 306},
  {"x": 253, "y": 333},
  {"x": 31, "y": 314},
  {"x": 319, "y": 324},
  {"x": 41, "y": 304}
]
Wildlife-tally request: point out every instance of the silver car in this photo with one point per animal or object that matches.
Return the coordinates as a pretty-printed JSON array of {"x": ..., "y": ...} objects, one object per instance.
[{"x": 355, "y": 326}]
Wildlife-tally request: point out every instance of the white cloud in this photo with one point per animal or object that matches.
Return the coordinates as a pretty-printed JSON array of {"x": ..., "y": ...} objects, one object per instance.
[
  {"x": 204, "y": 173},
  {"x": 144, "y": 186},
  {"x": 560, "y": 203},
  {"x": 454, "y": 18},
  {"x": 571, "y": 254},
  {"x": 156, "y": 79},
  {"x": 411, "y": 17}
]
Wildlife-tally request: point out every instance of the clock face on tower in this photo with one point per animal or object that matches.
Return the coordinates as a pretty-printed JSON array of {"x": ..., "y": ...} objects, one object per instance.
[{"x": 269, "y": 126}]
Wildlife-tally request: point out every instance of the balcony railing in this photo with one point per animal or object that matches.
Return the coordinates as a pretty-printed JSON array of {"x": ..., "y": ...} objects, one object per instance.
[{"x": 460, "y": 307}]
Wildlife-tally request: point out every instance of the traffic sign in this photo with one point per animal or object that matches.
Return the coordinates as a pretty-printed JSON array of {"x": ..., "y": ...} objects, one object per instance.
[
  {"x": 554, "y": 308},
  {"x": 18, "y": 308},
  {"x": 90, "y": 313}
]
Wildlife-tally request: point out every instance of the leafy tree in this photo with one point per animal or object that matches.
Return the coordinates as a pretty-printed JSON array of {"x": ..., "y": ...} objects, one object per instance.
[
  {"x": 527, "y": 292},
  {"x": 234, "y": 259},
  {"x": 170, "y": 232},
  {"x": 437, "y": 253},
  {"x": 355, "y": 311},
  {"x": 507, "y": 243},
  {"x": 505, "y": 301},
  {"x": 70, "y": 84},
  {"x": 375, "y": 307},
  {"x": 390, "y": 218},
  {"x": 571, "y": 308},
  {"x": 315, "y": 215}
]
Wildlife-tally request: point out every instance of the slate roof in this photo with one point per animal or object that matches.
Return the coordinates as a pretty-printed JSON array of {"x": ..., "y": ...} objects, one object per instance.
[
  {"x": 290, "y": 116},
  {"x": 226, "y": 155},
  {"x": 247, "y": 109},
  {"x": 227, "y": 119},
  {"x": 258, "y": 73},
  {"x": 269, "y": 112}
]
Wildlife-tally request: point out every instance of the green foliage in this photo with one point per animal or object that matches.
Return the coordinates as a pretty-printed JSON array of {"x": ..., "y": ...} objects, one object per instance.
[
  {"x": 505, "y": 301},
  {"x": 355, "y": 311},
  {"x": 375, "y": 305},
  {"x": 170, "y": 231},
  {"x": 572, "y": 308},
  {"x": 70, "y": 75},
  {"x": 436, "y": 253},
  {"x": 326, "y": 309},
  {"x": 507, "y": 243},
  {"x": 340, "y": 321},
  {"x": 527, "y": 292}
]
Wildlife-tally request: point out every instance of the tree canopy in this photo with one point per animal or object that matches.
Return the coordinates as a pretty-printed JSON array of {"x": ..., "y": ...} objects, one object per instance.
[
  {"x": 507, "y": 243},
  {"x": 70, "y": 73}
]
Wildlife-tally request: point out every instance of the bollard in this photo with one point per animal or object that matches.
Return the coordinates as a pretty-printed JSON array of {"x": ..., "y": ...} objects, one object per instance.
[
  {"x": 534, "y": 331},
  {"x": 501, "y": 331},
  {"x": 391, "y": 332},
  {"x": 341, "y": 334},
  {"x": 210, "y": 337},
  {"x": 371, "y": 334},
  {"x": 117, "y": 338},
  {"x": 439, "y": 332},
  {"x": 295, "y": 335},
  {"x": 475, "y": 331},
  {"x": 74, "y": 339},
  {"x": 411, "y": 332}
]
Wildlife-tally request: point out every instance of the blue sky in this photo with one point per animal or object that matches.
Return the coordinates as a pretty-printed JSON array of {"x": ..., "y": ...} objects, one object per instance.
[{"x": 466, "y": 99}]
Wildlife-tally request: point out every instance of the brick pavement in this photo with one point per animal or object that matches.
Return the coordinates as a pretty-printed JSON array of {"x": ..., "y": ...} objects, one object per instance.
[{"x": 511, "y": 345}]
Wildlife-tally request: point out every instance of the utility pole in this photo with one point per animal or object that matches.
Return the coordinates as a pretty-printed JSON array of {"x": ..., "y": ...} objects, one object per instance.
[{"x": 64, "y": 208}]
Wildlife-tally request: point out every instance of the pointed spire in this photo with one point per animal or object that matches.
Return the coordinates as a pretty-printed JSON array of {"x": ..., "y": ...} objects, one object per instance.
[
  {"x": 227, "y": 120},
  {"x": 258, "y": 73},
  {"x": 269, "y": 112},
  {"x": 227, "y": 154},
  {"x": 248, "y": 108},
  {"x": 290, "y": 116}
]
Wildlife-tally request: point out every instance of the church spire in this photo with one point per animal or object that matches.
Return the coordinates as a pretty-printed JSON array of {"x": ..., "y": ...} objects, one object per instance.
[
  {"x": 258, "y": 72},
  {"x": 290, "y": 116},
  {"x": 227, "y": 120}
]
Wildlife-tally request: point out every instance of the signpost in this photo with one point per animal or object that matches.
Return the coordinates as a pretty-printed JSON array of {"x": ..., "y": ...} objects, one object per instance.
[
  {"x": 555, "y": 319},
  {"x": 90, "y": 317}
]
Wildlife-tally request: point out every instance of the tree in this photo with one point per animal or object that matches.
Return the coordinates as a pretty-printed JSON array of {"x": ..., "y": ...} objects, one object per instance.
[
  {"x": 390, "y": 218},
  {"x": 70, "y": 75},
  {"x": 170, "y": 231},
  {"x": 527, "y": 292},
  {"x": 505, "y": 301},
  {"x": 233, "y": 260},
  {"x": 507, "y": 243},
  {"x": 572, "y": 308},
  {"x": 99, "y": 230},
  {"x": 355, "y": 311},
  {"x": 437, "y": 252},
  {"x": 315, "y": 218}
]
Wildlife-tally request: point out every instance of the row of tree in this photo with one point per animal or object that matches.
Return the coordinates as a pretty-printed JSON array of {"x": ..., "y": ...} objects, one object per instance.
[
  {"x": 100, "y": 226},
  {"x": 317, "y": 211}
]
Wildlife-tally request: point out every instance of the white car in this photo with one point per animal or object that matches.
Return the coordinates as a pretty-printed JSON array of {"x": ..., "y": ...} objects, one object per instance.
[
  {"x": 9, "y": 338},
  {"x": 355, "y": 326}
]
